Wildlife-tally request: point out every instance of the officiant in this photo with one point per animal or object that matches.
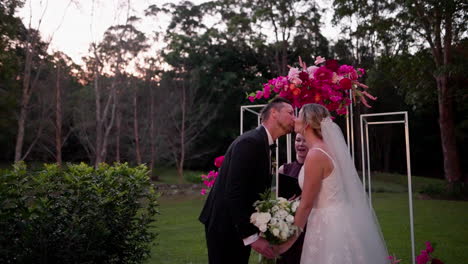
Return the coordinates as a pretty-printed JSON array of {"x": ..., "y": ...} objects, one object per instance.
[{"x": 293, "y": 255}]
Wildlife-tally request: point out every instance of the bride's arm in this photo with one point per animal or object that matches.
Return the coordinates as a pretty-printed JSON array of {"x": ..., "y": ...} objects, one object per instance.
[{"x": 313, "y": 175}]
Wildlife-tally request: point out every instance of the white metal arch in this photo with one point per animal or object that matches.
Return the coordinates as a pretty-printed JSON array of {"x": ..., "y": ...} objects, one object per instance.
[{"x": 365, "y": 159}]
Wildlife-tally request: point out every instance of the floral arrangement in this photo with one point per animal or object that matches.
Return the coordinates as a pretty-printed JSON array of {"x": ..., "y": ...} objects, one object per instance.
[
  {"x": 275, "y": 219},
  {"x": 327, "y": 83},
  {"x": 424, "y": 258},
  {"x": 209, "y": 179}
]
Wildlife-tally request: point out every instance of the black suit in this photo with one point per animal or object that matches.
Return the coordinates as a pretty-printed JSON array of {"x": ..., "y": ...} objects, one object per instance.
[{"x": 244, "y": 175}]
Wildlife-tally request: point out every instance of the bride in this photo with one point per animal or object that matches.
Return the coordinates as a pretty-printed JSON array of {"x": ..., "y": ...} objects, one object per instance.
[{"x": 341, "y": 227}]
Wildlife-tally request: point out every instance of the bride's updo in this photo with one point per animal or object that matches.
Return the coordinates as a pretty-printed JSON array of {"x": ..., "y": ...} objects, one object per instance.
[{"x": 312, "y": 115}]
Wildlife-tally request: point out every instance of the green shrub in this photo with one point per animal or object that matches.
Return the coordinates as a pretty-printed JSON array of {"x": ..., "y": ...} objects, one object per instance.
[
  {"x": 77, "y": 214},
  {"x": 193, "y": 176}
]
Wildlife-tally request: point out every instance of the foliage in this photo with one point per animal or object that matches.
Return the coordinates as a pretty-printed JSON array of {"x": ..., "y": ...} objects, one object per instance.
[{"x": 77, "y": 214}]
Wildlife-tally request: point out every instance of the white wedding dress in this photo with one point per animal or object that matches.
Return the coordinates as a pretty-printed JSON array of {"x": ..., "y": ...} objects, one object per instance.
[{"x": 341, "y": 228}]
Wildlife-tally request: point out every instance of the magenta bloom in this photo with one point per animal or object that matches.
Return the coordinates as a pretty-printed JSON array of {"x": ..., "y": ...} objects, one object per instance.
[
  {"x": 332, "y": 65},
  {"x": 323, "y": 74},
  {"x": 345, "y": 69},
  {"x": 219, "y": 161},
  {"x": 423, "y": 258},
  {"x": 251, "y": 99},
  {"x": 429, "y": 248},
  {"x": 203, "y": 191},
  {"x": 342, "y": 111},
  {"x": 345, "y": 84}
]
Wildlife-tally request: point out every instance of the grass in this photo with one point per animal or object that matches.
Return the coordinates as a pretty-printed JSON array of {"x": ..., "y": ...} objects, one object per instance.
[
  {"x": 181, "y": 238},
  {"x": 169, "y": 175}
]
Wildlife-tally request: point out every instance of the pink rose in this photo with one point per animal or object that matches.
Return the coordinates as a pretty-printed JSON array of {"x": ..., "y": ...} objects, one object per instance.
[
  {"x": 219, "y": 161},
  {"x": 203, "y": 191},
  {"x": 252, "y": 98}
]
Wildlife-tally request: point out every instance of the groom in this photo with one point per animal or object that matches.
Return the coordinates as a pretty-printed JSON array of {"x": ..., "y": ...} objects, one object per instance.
[{"x": 244, "y": 175}]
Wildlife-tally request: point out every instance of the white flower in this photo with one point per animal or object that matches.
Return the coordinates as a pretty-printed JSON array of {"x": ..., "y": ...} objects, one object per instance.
[
  {"x": 282, "y": 213},
  {"x": 263, "y": 228},
  {"x": 284, "y": 227},
  {"x": 295, "y": 205},
  {"x": 274, "y": 221},
  {"x": 275, "y": 208},
  {"x": 253, "y": 218},
  {"x": 289, "y": 218},
  {"x": 275, "y": 232},
  {"x": 263, "y": 218},
  {"x": 284, "y": 235}
]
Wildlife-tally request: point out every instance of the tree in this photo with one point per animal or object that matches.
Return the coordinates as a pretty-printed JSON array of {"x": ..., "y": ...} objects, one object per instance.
[{"x": 437, "y": 25}]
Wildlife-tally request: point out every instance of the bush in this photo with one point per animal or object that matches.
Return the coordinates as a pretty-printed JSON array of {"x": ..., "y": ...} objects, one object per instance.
[
  {"x": 77, "y": 214},
  {"x": 193, "y": 176}
]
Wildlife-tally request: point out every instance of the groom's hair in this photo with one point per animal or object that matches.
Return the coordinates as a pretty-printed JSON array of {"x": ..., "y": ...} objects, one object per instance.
[{"x": 276, "y": 103}]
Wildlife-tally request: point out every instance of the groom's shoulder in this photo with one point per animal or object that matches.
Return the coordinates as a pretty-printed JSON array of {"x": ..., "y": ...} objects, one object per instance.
[{"x": 254, "y": 135}]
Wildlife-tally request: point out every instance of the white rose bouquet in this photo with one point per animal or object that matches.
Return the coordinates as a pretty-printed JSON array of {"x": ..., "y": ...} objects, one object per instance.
[{"x": 275, "y": 218}]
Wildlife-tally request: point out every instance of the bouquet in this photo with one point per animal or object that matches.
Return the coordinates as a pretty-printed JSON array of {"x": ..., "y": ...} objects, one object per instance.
[
  {"x": 275, "y": 219},
  {"x": 327, "y": 83}
]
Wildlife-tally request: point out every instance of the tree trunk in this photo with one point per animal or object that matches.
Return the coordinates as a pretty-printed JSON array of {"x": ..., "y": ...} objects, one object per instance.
[
  {"x": 154, "y": 176},
  {"x": 58, "y": 119},
  {"x": 452, "y": 168},
  {"x": 180, "y": 168},
  {"x": 118, "y": 127},
  {"x": 97, "y": 93},
  {"x": 135, "y": 126},
  {"x": 26, "y": 95}
]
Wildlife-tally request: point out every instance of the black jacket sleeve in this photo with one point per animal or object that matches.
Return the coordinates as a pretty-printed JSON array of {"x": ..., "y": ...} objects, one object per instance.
[{"x": 245, "y": 183}]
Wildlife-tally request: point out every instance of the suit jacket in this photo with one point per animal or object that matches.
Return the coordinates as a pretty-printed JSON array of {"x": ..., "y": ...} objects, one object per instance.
[{"x": 243, "y": 176}]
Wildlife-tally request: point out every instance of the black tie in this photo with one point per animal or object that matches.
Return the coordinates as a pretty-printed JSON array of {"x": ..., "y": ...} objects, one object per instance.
[{"x": 273, "y": 147}]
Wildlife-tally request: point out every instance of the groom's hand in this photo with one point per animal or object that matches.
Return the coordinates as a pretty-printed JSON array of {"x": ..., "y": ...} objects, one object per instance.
[{"x": 263, "y": 247}]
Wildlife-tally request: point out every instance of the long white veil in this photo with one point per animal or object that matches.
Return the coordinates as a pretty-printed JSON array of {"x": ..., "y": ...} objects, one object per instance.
[{"x": 367, "y": 235}]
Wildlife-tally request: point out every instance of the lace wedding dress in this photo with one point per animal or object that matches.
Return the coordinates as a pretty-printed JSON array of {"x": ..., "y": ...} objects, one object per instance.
[{"x": 341, "y": 228}]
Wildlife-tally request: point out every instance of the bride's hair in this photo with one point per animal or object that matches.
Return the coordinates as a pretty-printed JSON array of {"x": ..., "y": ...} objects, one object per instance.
[{"x": 312, "y": 115}]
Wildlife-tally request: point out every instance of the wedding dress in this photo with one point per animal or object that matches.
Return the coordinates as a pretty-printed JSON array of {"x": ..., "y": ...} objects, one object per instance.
[{"x": 342, "y": 227}]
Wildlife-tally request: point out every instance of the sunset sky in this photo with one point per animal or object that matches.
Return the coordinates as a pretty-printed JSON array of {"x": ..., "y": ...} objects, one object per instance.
[{"x": 76, "y": 25}]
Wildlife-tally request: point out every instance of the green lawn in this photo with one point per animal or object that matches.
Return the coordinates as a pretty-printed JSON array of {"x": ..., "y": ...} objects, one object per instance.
[{"x": 181, "y": 238}]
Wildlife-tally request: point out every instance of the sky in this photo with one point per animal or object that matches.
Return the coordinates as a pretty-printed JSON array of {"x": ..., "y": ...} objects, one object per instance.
[{"x": 72, "y": 25}]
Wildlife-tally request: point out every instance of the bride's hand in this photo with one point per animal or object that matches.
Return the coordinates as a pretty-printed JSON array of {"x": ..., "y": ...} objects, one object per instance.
[{"x": 281, "y": 248}]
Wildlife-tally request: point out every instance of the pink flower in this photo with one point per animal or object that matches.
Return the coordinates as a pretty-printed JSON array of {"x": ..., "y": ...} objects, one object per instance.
[
  {"x": 219, "y": 161},
  {"x": 252, "y": 98},
  {"x": 293, "y": 73},
  {"x": 361, "y": 72},
  {"x": 345, "y": 84},
  {"x": 311, "y": 71},
  {"x": 323, "y": 74},
  {"x": 342, "y": 111},
  {"x": 423, "y": 258},
  {"x": 319, "y": 59},
  {"x": 203, "y": 191},
  {"x": 369, "y": 95},
  {"x": 332, "y": 65},
  {"x": 336, "y": 98},
  {"x": 429, "y": 248},
  {"x": 259, "y": 95}
]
